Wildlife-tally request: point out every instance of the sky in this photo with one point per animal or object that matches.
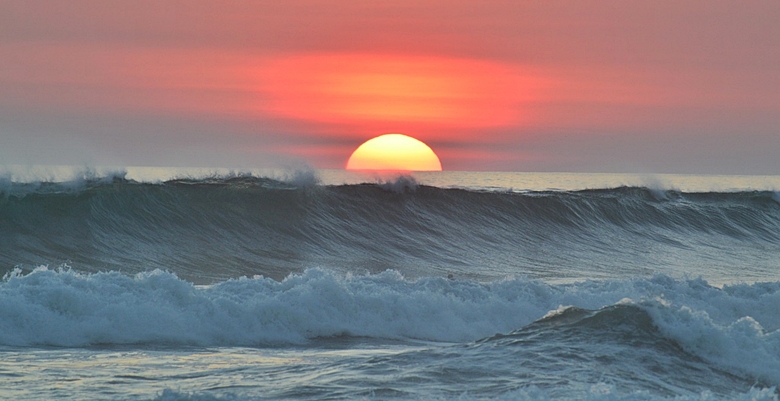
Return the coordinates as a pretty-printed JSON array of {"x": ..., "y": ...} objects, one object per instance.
[{"x": 662, "y": 86}]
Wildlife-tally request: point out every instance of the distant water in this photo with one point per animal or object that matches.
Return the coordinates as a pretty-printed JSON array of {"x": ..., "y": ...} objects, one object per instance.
[{"x": 169, "y": 284}]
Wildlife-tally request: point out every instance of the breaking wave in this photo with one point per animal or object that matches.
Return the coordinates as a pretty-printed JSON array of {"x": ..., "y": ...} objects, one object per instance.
[
  {"x": 672, "y": 323},
  {"x": 211, "y": 229}
]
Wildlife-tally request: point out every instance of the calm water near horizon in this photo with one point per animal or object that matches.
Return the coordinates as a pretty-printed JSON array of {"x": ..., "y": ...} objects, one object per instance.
[{"x": 520, "y": 181}]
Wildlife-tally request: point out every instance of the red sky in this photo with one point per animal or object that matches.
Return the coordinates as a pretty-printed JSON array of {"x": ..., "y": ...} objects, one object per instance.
[{"x": 600, "y": 86}]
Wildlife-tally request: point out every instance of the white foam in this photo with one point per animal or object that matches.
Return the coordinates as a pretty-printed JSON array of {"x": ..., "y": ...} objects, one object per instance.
[
  {"x": 398, "y": 183},
  {"x": 304, "y": 177},
  {"x": 742, "y": 345},
  {"x": 62, "y": 307},
  {"x": 735, "y": 327}
]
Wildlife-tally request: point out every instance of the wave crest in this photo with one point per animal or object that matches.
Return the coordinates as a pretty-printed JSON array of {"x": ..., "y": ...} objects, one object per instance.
[{"x": 211, "y": 229}]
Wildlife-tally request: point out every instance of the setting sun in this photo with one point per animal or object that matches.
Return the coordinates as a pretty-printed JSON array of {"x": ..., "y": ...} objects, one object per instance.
[{"x": 394, "y": 152}]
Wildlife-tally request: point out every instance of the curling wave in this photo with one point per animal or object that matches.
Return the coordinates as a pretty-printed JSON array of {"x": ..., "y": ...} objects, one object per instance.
[{"x": 212, "y": 229}]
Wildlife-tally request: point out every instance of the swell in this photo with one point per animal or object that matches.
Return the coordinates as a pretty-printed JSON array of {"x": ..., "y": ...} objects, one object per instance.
[{"x": 212, "y": 229}]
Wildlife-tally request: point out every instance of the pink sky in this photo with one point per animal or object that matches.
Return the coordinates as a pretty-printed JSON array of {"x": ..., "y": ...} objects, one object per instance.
[{"x": 595, "y": 86}]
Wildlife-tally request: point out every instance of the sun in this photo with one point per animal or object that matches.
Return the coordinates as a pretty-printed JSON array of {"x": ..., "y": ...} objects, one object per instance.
[{"x": 394, "y": 152}]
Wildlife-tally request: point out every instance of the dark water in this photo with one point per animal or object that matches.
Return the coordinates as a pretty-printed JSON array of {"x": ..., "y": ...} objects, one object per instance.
[
  {"x": 211, "y": 230},
  {"x": 248, "y": 288}
]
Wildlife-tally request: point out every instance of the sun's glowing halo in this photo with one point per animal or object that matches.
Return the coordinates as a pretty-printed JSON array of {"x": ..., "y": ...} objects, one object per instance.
[
  {"x": 394, "y": 152},
  {"x": 415, "y": 91}
]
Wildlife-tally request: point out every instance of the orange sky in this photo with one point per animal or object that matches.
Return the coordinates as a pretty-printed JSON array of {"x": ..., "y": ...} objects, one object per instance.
[{"x": 662, "y": 86}]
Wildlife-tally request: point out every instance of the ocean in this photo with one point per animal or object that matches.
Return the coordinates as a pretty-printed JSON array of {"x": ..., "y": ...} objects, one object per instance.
[{"x": 198, "y": 284}]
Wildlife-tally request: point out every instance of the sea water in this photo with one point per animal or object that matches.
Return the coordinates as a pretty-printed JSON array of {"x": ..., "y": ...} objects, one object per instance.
[{"x": 167, "y": 284}]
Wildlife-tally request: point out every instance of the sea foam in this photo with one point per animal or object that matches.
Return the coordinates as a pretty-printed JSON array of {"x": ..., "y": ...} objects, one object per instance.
[{"x": 735, "y": 327}]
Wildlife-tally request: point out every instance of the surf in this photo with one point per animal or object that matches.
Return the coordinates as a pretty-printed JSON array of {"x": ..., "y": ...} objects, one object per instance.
[{"x": 732, "y": 329}]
